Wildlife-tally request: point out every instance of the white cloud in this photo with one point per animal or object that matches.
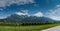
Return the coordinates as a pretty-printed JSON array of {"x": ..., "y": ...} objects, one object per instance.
[
  {"x": 19, "y": 13},
  {"x": 58, "y": 6},
  {"x": 1, "y": 9},
  {"x": 38, "y": 14},
  {"x": 24, "y": 12},
  {"x": 4, "y": 3},
  {"x": 54, "y": 13}
]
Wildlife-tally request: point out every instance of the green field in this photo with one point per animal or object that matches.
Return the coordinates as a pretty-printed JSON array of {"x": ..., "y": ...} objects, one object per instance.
[
  {"x": 26, "y": 28},
  {"x": 9, "y": 28}
]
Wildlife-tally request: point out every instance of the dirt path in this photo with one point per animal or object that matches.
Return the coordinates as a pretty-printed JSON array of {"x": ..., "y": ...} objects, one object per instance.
[{"x": 57, "y": 28}]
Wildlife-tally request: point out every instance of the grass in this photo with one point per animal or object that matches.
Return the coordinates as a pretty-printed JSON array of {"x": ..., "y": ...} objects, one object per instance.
[
  {"x": 36, "y": 28},
  {"x": 9, "y": 28},
  {"x": 26, "y": 28}
]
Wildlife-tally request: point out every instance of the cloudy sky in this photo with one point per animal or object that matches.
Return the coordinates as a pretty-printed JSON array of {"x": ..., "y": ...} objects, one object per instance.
[{"x": 47, "y": 8}]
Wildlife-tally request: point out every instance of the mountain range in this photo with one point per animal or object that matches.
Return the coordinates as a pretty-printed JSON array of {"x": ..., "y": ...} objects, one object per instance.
[{"x": 26, "y": 18}]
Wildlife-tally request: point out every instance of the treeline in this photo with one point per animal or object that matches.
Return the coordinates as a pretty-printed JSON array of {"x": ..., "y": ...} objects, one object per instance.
[
  {"x": 8, "y": 23},
  {"x": 23, "y": 23},
  {"x": 38, "y": 23}
]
